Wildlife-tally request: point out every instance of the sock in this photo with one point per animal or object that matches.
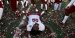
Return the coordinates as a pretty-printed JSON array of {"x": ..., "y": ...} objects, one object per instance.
[
  {"x": 59, "y": 6},
  {"x": 65, "y": 18},
  {"x": 41, "y": 6},
  {"x": 46, "y": 6},
  {"x": 26, "y": 3},
  {"x": 55, "y": 6}
]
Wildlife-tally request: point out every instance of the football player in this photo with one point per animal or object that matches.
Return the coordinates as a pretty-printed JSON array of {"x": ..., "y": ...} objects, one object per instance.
[
  {"x": 57, "y": 5},
  {"x": 70, "y": 8},
  {"x": 1, "y": 9},
  {"x": 44, "y": 2}
]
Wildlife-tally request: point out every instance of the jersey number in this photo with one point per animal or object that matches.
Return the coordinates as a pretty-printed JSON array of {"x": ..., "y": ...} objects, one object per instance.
[{"x": 35, "y": 20}]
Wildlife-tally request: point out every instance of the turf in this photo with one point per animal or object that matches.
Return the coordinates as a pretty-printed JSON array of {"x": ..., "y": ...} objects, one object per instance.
[{"x": 10, "y": 20}]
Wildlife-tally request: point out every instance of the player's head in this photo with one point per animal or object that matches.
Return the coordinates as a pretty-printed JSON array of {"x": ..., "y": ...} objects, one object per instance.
[
  {"x": 35, "y": 30},
  {"x": 36, "y": 26}
]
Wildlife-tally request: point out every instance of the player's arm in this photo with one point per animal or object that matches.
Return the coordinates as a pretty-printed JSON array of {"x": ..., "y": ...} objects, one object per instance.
[
  {"x": 28, "y": 9},
  {"x": 23, "y": 20},
  {"x": 24, "y": 17},
  {"x": 42, "y": 12},
  {"x": 50, "y": 29}
]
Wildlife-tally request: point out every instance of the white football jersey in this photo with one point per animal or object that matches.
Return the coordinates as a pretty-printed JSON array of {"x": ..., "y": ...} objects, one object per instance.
[{"x": 35, "y": 19}]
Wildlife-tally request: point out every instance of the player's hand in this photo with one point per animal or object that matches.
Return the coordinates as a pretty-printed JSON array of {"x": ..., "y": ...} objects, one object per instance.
[
  {"x": 53, "y": 34},
  {"x": 17, "y": 28}
]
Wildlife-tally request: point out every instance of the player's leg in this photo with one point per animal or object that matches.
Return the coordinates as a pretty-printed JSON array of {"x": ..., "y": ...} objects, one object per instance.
[
  {"x": 50, "y": 4},
  {"x": 22, "y": 2},
  {"x": 26, "y": 3},
  {"x": 55, "y": 6},
  {"x": 1, "y": 13},
  {"x": 17, "y": 2},
  {"x": 65, "y": 18},
  {"x": 46, "y": 7},
  {"x": 46, "y": 1},
  {"x": 41, "y": 6},
  {"x": 68, "y": 11},
  {"x": 13, "y": 5},
  {"x": 59, "y": 7}
]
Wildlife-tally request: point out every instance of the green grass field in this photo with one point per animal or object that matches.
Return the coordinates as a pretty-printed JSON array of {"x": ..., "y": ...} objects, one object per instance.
[{"x": 10, "y": 20}]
